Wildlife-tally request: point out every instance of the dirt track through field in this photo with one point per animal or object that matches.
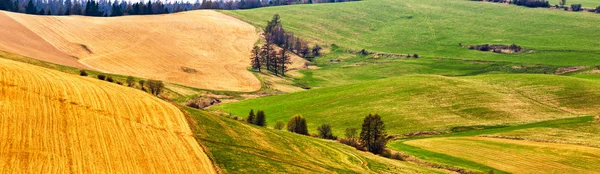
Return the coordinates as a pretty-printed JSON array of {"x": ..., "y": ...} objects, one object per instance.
[
  {"x": 52, "y": 122},
  {"x": 203, "y": 49}
]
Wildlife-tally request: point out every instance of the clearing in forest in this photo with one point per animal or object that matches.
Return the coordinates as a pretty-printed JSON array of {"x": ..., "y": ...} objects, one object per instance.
[
  {"x": 203, "y": 49},
  {"x": 52, "y": 122}
]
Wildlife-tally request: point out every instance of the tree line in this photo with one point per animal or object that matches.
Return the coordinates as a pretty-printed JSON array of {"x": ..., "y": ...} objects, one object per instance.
[
  {"x": 274, "y": 60},
  {"x": 372, "y": 138},
  {"x": 106, "y": 8},
  {"x": 545, "y": 4},
  {"x": 155, "y": 87}
]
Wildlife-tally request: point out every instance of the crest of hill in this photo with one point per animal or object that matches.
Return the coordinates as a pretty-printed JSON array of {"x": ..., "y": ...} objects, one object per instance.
[
  {"x": 52, "y": 122},
  {"x": 203, "y": 49}
]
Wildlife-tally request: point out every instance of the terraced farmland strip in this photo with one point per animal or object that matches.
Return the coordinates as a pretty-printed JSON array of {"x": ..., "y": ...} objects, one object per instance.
[{"x": 52, "y": 122}]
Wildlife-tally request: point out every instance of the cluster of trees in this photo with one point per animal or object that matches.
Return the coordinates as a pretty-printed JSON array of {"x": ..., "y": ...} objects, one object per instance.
[
  {"x": 258, "y": 119},
  {"x": 106, "y": 8},
  {"x": 373, "y": 136},
  {"x": 527, "y": 3},
  {"x": 275, "y": 60}
]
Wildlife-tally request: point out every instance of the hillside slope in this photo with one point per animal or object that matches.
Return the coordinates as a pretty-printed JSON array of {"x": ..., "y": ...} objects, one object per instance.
[
  {"x": 202, "y": 49},
  {"x": 242, "y": 148},
  {"x": 433, "y": 103},
  {"x": 52, "y": 122}
]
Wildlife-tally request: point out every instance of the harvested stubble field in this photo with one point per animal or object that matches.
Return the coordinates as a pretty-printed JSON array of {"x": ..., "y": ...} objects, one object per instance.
[
  {"x": 52, "y": 122},
  {"x": 517, "y": 156},
  {"x": 202, "y": 49}
]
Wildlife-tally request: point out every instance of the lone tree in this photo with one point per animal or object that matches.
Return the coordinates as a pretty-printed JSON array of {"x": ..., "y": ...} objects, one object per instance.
[
  {"x": 155, "y": 87},
  {"x": 373, "y": 135},
  {"x": 251, "y": 117},
  {"x": 297, "y": 124},
  {"x": 260, "y": 118},
  {"x": 130, "y": 81},
  {"x": 325, "y": 132},
  {"x": 279, "y": 125}
]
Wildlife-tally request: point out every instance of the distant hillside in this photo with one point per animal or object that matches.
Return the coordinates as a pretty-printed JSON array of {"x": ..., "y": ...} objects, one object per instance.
[
  {"x": 202, "y": 49},
  {"x": 52, "y": 122},
  {"x": 434, "y": 28}
]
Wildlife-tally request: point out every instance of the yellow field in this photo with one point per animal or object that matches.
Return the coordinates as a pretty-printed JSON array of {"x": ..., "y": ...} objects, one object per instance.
[
  {"x": 517, "y": 156},
  {"x": 52, "y": 122},
  {"x": 202, "y": 49}
]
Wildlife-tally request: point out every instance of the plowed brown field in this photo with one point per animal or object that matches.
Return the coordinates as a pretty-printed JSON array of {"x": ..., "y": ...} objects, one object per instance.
[
  {"x": 52, "y": 122},
  {"x": 203, "y": 49}
]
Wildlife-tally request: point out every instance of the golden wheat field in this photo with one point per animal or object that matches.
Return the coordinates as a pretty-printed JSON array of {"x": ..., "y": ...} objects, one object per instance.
[
  {"x": 52, "y": 122},
  {"x": 203, "y": 49}
]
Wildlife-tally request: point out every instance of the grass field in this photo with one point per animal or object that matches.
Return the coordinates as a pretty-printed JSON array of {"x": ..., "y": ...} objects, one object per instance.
[
  {"x": 434, "y": 28},
  {"x": 52, "y": 122},
  {"x": 241, "y": 148},
  {"x": 517, "y": 156},
  {"x": 433, "y": 103},
  {"x": 202, "y": 49}
]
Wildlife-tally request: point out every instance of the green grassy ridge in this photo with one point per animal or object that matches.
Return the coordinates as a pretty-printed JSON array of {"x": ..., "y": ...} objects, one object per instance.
[
  {"x": 238, "y": 147},
  {"x": 434, "y": 28},
  {"x": 357, "y": 68},
  {"x": 444, "y": 159},
  {"x": 433, "y": 103}
]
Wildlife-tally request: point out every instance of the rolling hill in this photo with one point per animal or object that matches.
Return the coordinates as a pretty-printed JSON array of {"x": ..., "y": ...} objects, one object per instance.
[
  {"x": 52, "y": 122},
  {"x": 202, "y": 49},
  {"x": 434, "y": 28},
  {"x": 433, "y": 103}
]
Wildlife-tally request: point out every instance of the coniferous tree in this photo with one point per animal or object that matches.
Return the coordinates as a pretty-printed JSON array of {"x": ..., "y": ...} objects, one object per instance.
[
  {"x": 373, "y": 135},
  {"x": 30, "y": 9},
  {"x": 284, "y": 61},
  {"x": 260, "y": 118},
  {"x": 297, "y": 124},
  {"x": 251, "y": 117},
  {"x": 256, "y": 58}
]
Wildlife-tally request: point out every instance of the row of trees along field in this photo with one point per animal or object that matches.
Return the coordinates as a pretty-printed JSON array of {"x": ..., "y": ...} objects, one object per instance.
[
  {"x": 106, "y": 8},
  {"x": 275, "y": 60},
  {"x": 155, "y": 87},
  {"x": 372, "y": 138}
]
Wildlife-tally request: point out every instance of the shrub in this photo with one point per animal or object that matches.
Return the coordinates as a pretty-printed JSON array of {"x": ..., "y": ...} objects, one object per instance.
[
  {"x": 325, "y": 132},
  {"x": 155, "y": 87},
  {"x": 576, "y": 7},
  {"x": 352, "y": 142},
  {"x": 350, "y": 133},
  {"x": 110, "y": 79},
  {"x": 297, "y": 124},
  {"x": 415, "y": 55},
  {"x": 279, "y": 125},
  {"x": 101, "y": 76},
  {"x": 142, "y": 82},
  {"x": 83, "y": 73},
  {"x": 119, "y": 83},
  {"x": 130, "y": 81},
  {"x": 598, "y": 9},
  {"x": 393, "y": 155}
]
